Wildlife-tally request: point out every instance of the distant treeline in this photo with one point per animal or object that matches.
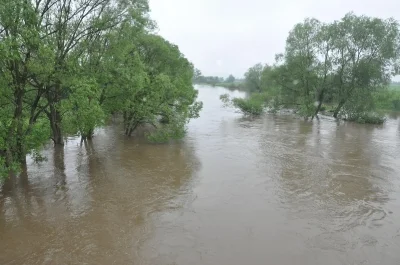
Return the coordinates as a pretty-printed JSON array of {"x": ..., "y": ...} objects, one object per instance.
[{"x": 230, "y": 82}]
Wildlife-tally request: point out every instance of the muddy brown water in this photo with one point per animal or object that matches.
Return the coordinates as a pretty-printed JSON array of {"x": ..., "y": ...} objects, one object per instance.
[{"x": 271, "y": 190}]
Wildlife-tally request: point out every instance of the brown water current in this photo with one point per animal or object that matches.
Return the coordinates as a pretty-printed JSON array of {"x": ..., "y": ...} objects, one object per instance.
[{"x": 235, "y": 191}]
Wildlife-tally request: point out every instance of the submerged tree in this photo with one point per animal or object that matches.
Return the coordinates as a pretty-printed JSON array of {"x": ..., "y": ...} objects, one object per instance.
[
  {"x": 342, "y": 63},
  {"x": 68, "y": 64},
  {"x": 167, "y": 93},
  {"x": 253, "y": 78}
]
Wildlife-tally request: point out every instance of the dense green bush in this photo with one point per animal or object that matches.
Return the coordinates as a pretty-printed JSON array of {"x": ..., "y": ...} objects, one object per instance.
[
  {"x": 249, "y": 106},
  {"x": 253, "y": 105}
]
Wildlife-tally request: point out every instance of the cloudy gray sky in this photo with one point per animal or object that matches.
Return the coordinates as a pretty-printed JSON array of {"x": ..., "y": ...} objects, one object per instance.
[{"x": 228, "y": 36}]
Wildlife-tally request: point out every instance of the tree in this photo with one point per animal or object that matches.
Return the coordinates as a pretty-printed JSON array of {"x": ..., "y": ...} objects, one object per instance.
[
  {"x": 343, "y": 63},
  {"x": 197, "y": 75},
  {"x": 345, "y": 60},
  {"x": 83, "y": 113},
  {"x": 149, "y": 81},
  {"x": 253, "y": 77},
  {"x": 68, "y": 64},
  {"x": 230, "y": 79},
  {"x": 301, "y": 57},
  {"x": 366, "y": 56},
  {"x": 21, "y": 105}
]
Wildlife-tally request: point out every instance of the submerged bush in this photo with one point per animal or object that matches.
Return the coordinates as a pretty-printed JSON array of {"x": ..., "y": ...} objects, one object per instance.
[
  {"x": 253, "y": 105},
  {"x": 249, "y": 106},
  {"x": 367, "y": 118}
]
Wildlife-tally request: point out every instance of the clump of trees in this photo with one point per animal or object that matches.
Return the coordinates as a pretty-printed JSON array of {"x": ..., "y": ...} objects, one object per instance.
[
  {"x": 342, "y": 64},
  {"x": 230, "y": 79},
  {"x": 69, "y": 64}
]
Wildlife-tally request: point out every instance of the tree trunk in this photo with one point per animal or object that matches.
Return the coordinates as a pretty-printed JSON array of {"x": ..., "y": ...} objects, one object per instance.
[
  {"x": 320, "y": 100},
  {"x": 55, "y": 123},
  {"x": 131, "y": 128},
  {"x": 16, "y": 150},
  {"x": 20, "y": 145},
  {"x": 317, "y": 110},
  {"x": 338, "y": 108},
  {"x": 89, "y": 136},
  {"x": 19, "y": 151}
]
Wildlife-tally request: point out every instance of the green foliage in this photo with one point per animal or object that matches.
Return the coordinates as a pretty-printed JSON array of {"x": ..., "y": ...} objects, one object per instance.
[
  {"x": 394, "y": 86},
  {"x": 253, "y": 78},
  {"x": 166, "y": 93},
  {"x": 225, "y": 99},
  {"x": 345, "y": 63},
  {"x": 83, "y": 112},
  {"x": 253, "y": 105},
  {"x": 38, "y": 134},
  {"x": 67, "y": 65},
  {"x": 367, "y": 117},
  {"x": 173, "y": 130},
  {"x": 387, "y": 99}
]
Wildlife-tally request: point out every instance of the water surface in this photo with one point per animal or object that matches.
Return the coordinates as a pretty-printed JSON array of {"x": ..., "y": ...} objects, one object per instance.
[{"x": 270, "y": 190}]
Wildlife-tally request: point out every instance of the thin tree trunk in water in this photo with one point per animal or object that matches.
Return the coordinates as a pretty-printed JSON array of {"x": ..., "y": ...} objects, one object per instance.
[
  {"x": 89, "y": 136},
  {"x": 125, "y": 117},
  {"x": 19, "y": 144},
  {"x": 15, "y": 151},
  {"x": 130, "y": 131},
  {"x": 317, "y": 111},
  {"x": 131, "y": 128},
  {"x": 320, "y": 99},
  {"x": 338, "y": 108},
  {"x": 55, "y": 124},
  {"x": 54, "y": 97}
]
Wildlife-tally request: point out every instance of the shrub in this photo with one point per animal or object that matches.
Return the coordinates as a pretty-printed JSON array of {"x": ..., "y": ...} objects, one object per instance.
[
  {"x": 370, "y": 118},
  {"x": 254, "y": 105}
]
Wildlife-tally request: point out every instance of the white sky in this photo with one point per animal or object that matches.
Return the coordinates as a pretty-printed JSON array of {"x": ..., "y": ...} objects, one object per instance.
[{"x": 223, "y": 37}]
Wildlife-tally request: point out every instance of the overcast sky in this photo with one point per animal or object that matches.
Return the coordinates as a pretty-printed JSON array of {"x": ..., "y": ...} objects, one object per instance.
[{"x": 223, "y": 37}]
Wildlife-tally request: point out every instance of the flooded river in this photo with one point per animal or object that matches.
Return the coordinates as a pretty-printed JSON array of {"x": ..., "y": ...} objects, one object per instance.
[{"x": 271, "y": 190}]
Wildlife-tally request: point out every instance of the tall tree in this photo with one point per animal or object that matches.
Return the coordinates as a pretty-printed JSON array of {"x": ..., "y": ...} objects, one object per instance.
[
  {"x": 65, "y": 25},
  {"x": 366, "y": 51},
  {"x": 253, "y": 77},
  {"x": 167, "y": 93},
  {"x": 19, "y": 49},
  {"x": 67, "y": 64}
]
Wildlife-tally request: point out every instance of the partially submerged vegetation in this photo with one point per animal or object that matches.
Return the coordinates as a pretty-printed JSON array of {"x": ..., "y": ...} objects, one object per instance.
[
  {"x": 347, "y": 64},
  {"x": 68, "y": 65},
  {"x": 253, "y": 105}
]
